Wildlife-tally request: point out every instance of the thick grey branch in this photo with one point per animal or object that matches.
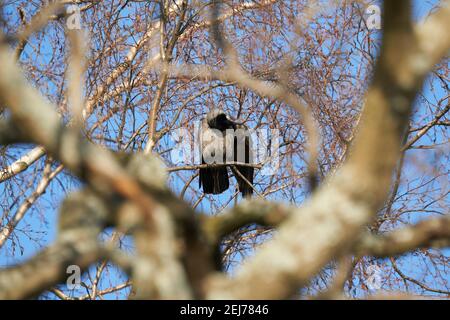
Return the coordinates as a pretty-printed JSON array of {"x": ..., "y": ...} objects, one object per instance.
[{"x": 425, "y": 234}]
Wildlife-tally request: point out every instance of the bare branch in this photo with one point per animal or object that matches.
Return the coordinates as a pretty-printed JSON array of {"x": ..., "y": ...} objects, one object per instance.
[{"x": 425, "y": 234}]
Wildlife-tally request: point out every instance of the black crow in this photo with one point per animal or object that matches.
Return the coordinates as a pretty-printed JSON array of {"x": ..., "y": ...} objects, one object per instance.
[{"x": 224, "y": 140}]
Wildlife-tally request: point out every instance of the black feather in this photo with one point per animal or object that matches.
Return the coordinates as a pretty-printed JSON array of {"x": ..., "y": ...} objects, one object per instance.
[{"x": 214, "y": 180}]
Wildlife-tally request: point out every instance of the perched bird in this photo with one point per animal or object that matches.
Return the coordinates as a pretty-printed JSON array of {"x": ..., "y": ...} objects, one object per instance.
[
  {"x": 223, "y": 141},
  {"x": 214, "y": 179}
]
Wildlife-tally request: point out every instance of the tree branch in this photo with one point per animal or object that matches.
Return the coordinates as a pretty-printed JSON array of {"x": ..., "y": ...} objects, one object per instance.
[{"x": 425, "y": 234}]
